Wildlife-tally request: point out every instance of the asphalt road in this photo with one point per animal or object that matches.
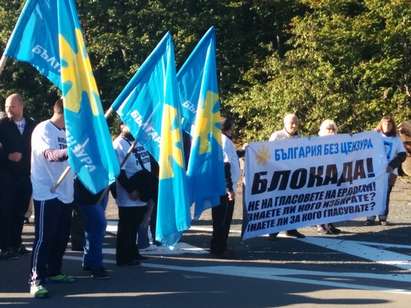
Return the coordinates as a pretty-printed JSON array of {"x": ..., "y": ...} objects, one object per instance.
[{"x": 362, "y": 266}]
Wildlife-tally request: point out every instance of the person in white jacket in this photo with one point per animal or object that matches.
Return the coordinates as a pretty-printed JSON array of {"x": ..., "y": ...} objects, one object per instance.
[
  {"x": 396, "y": 154},
  {"x": 290, "y": 130},
  {"x": 328, "y": 128}
]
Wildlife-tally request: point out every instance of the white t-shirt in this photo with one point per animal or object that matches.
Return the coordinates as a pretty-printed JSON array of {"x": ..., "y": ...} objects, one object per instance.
[
  {"x": 281, "y": 135},
  {"x": 393, "y": 146},
  {"x": 44, "y": 173},
  {"x": 131, "y": 166},
  {"x": 230, "y": 156}
]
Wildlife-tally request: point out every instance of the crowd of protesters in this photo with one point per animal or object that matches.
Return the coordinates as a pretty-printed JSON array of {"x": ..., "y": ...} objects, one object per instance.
[{"x": 32, "y": 158}]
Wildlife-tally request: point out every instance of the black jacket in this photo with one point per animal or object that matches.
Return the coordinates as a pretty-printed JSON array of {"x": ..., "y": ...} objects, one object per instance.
[
  {"x": 3, "y": 154},
  {"x": 13, "y": 141}
]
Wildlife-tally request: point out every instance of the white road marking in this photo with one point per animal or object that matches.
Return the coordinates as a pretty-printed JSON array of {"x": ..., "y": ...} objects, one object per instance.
[
  {"x": 284, "y": 274},
  {"x": 372, "y": 251},
  {"x": 180, "y": 249},
  {"x": 112, "y": 228},
  {"x": 376, "y": 244},
  {"x": 210, "y": 229},
  {"x": 363, "y": 250}
]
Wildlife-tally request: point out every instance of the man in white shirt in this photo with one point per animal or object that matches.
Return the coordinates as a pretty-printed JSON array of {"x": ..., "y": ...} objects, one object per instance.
[
  {"x": 52, "y": 207},
  {"x": 223, "y": 213},
  {"x": 290, "y": 130}
]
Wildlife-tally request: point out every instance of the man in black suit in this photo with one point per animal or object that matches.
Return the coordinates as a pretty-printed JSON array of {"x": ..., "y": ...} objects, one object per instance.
[{"x": 16, "y": 130}]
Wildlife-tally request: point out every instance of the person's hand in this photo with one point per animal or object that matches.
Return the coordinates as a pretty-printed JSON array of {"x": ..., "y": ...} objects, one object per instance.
[
  {"x": 15, "y": 156},
  {"x": 231, "y": 195},
  {"x": 134, "y": 195}
]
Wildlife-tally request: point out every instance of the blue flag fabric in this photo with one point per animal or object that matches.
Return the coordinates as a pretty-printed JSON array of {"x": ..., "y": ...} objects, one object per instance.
[
  {"x": 149, "y": 106},
  {"x": 48, "y": 36},
  {"x": 198, "y": 92},
  {"x": 35, "y": 38}
]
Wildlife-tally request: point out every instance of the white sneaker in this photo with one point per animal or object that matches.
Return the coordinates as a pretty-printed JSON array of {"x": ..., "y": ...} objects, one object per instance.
[{"x": 38, "y": 291}]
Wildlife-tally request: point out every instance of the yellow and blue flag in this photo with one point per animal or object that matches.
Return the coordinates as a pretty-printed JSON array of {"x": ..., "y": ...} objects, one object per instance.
[
  {"x": 48, "y": 36},
  {"x": 198, "y": 92},
  {"x": 149, "y": 106}
]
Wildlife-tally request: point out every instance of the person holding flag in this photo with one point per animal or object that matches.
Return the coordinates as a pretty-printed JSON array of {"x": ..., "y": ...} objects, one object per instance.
[
  {"x": 223, "y": 213},
  {"x": 131, "y": 196},
  {"x": 52, "y": 209},
  {"x": 198, "y": 93},
  {"x": 148, "y": 106},
  {"x": 48, "y": 36}
]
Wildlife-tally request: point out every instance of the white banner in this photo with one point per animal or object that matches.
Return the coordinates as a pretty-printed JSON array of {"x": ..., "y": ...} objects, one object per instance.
[{"x": 308, "y": 181}]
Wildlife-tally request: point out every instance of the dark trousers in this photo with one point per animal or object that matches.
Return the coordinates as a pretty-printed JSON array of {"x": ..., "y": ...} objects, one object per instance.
[
  {"x": 77, "y": 236},
  {"x": 383, "y": 217},
  {"x": 20, "y": 192},
  {"x": 387, "y": 199},
  {"x": 5, "y": 212},
  {"x": 153, "y": 221},
  {"x": 52, "y": 231},
  {"x": 130, "y": 219},
  {"x": 222, "y": 216}
]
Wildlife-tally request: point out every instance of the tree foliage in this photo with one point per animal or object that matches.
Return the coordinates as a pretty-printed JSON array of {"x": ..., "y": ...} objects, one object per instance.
[
  {"x": 348, "y": 60},
  {"x": 120, "y": 34}
]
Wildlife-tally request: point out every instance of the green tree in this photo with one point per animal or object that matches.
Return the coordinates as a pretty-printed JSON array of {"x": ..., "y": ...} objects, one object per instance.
[
  {"x": 120, "y": 34},
  {"x": 349, "y": 60}
]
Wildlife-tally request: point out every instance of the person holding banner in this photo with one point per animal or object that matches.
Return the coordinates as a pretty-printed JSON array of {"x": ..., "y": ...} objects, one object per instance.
[
  {"x": 327, "y": 128},
  {"x": 396, "y": 154},
  {"x": 222, "y": 214},
  {"x": 129, "y": 190},
  {"x": 290, "y": 130},
  {"x": 52, "y": 207}
]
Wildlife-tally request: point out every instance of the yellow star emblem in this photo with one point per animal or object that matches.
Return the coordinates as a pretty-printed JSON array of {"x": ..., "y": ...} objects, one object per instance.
[
  {"x": 263, "y": 155},
  {"x": 206, "y": 122},
  {"x": 77, "y": 73},
  {"x": 171, "y": 143}
]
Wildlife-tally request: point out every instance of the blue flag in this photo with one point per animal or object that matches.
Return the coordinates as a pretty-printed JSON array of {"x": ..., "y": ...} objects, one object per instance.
[
  {"x": 35, "y": 38},
  {"x": 198, "y": 92},
  {"x": 149, "y": 106},
  {"x": 48, "y": 36}
]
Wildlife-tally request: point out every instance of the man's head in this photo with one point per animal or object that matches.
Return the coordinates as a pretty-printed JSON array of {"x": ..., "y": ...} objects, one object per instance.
[
  {"x": 227, "y": 126},
  {"x": 58, "y": 107},
  {"x": 14, "y": 107},
  {"x": 125, "y": 131},
  {"x": 291, "y": 123},
  {"x": 58, "y": 113},
  {"x": 387, "y": 126}
]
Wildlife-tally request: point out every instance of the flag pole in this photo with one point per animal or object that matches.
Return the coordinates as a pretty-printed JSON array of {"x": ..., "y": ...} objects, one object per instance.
[
  {"x": 2, "y": 63},
  {"x": 61, "y": 178},
  {"x": 108, "y": 112},
  {"x": 130, "y": 150},
  {"x": 67, "y": 170}
]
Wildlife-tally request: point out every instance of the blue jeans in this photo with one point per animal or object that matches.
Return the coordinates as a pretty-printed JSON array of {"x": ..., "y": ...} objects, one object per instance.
[{"x": 95, "y": 228}]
